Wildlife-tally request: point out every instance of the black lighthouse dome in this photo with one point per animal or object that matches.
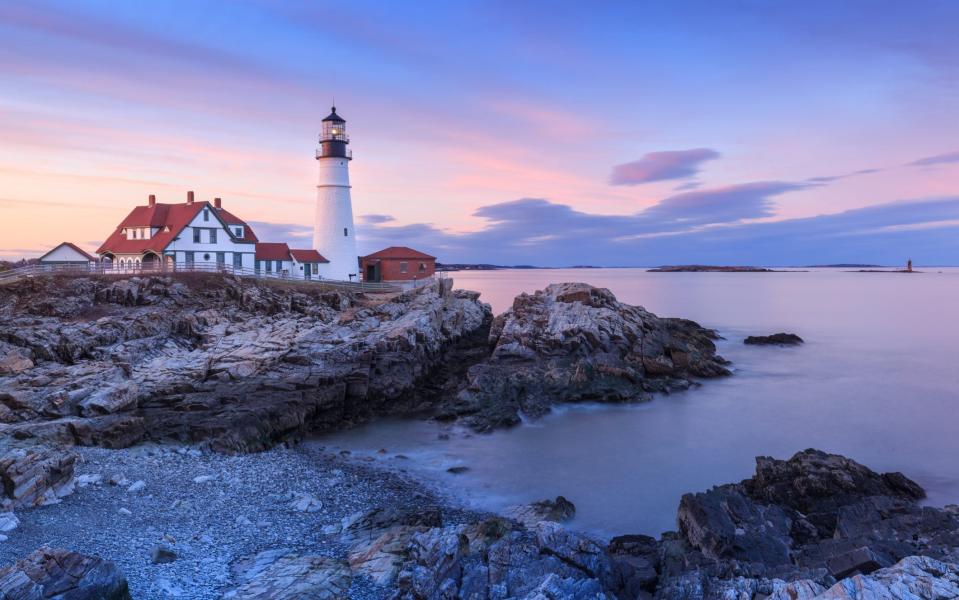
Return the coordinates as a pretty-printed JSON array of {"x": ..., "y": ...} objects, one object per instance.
[{"x": 334, "y": 139}]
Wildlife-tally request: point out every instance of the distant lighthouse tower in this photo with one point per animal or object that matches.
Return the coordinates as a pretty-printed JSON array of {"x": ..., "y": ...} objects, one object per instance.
[{"x": 333, "y": 234}]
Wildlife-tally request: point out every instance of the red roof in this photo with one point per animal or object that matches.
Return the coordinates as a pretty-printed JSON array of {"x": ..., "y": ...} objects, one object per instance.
[
  {"x": 72, "y": 246},
  {"x": 272, "y": 251},
  {"x": 170, "y": 219},
  {"x": 308, "y": 256},
  {"x": 231, "y": 219},
  {"x": 400, "y": 252}
]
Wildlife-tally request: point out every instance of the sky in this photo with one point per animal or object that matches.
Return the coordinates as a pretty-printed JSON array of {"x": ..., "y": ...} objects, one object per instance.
[{"x": 544, "y": 133}]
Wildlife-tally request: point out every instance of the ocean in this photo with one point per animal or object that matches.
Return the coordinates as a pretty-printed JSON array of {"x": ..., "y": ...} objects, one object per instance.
[{"x": 877, "y": 380}]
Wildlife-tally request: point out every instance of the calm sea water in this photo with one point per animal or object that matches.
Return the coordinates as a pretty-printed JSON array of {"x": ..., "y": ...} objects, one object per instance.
[{"x": 877, "y": 380}]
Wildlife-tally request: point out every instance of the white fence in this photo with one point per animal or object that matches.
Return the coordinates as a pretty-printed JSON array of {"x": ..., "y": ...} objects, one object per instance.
[{"x": 111, "y": 270}]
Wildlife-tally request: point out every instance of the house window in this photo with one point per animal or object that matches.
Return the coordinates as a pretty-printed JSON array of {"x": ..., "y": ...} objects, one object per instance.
[
  {"x": 206, "y": 214},
  {"x": 422, "y": 267},
  {"x": 134, "y": 234},
  {"x": 256, "y": 267},
  {"x": 403, "y": 267},
  {"x": 239, "y": 232},
  {"x": 345, "y": 232},
  {"x": 196, "y": 235},
  {"x": 213, "y": 236},
  {"x": 237, "y": 260},
  {"x": 206, "y": 257},
  {"x": 221, "y": 258},
  {"x": 189, "y": 258},
  {"x": 269, "y": 266}
]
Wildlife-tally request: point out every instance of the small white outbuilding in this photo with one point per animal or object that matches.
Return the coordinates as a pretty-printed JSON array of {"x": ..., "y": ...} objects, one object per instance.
[{"x": 68, "y": 254}]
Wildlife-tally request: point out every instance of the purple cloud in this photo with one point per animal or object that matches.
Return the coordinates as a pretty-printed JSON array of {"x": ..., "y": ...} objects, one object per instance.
[
  {"x": 661, "y": 166},
  {"x": 939, "y": 159}
]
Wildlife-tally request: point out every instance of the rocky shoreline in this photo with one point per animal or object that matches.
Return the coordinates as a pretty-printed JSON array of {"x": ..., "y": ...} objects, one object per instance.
[{"x": 148, "y": 450}]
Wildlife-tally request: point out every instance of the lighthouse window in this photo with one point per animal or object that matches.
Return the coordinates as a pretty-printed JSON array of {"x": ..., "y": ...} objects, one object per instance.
[{"x": 345, "y": 232}]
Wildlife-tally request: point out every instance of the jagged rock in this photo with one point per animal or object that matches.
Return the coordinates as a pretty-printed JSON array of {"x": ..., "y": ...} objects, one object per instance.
[
  {"x": 777, "y": 339},
  {"x": 290, "y": 576},
  {"x": 817, "y": 484},
  {"x": 912, "y": 578},
  {"x": 559, "y": 510},
  {"x": 378, "y": 541},
  {"x": 725, "y": 523},
  {"x": 35, "y": 476},
  {"x": 496, "y": 558},
  {"x": 62, "y": 575},
  {"x": 573, "y": 342},
  {"x": 240, "y": 364}
]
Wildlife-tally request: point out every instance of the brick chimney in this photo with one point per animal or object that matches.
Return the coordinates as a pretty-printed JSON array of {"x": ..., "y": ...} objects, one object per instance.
[
  {"x": 217, "y": 203},
  {"x": 189, "y": 197},
  {"x": 152, "y": 201}
]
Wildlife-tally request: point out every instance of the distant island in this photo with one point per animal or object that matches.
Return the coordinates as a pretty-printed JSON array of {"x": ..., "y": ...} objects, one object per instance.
[{"x": 709, "y": 269}]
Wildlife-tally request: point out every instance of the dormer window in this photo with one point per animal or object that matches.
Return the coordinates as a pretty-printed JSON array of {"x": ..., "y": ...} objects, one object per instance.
[{"x": 239, "y": 232}]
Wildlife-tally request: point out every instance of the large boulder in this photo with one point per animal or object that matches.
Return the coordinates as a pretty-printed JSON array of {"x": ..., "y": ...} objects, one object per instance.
[
  {"x": 62, "y": 575},
  {"x": 572, "y": 342}
]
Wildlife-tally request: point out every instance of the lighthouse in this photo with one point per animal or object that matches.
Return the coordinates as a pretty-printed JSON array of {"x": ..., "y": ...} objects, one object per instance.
[{"x": 333, "y": 234}]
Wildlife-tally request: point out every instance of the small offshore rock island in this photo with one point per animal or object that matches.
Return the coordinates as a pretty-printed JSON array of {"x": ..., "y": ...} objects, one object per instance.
[{"x": 181, "y": 398}]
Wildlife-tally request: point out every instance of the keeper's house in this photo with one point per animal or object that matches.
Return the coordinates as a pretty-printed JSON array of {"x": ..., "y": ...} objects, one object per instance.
[
  {"x": 397, "y": 263},
  {"x": 199, "y": 235}
]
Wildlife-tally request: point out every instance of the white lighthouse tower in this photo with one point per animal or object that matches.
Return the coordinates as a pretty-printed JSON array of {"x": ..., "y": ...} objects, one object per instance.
[{"x": 333, "y": 234}]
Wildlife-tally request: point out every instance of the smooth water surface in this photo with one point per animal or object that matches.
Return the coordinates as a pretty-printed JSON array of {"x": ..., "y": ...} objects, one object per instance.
[{"x": 877, "y": 380}]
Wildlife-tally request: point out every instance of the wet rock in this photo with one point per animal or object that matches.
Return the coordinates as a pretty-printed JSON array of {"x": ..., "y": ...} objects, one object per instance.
[
  {"x": 35, "y": 476},
  {"x": 60, "y": 574},
  {"x": 817, "y": 484},
  {"x": 291, "y": 576},
  {"x": 572, "y": 343},
  {"x": 558, "y": 510},
  {"x": 776, "y": 339},
  {"x": 725, "y": 523}
]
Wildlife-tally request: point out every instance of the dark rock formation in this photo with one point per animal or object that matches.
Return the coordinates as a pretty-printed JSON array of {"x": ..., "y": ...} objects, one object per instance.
[
  {"x": 241, "y": 364},
  {"x": 816, "y": 517},
  {"x": 776, "y": 339},
  {"x": 62, "y": 575},
  {"x": 576, "y": 343}
]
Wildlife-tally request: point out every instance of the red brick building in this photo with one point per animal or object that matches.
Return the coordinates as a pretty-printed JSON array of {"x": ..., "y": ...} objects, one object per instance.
[{"x": 397, "y": 263}]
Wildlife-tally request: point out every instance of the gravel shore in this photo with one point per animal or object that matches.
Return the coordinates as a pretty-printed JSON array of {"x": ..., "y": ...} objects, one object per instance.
[{"x": 211, "y": 510}]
